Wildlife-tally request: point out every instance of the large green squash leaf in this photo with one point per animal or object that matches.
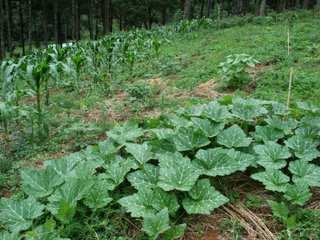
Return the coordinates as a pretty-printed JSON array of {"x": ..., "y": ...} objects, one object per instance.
[
  {"x": 267, "y": 133},
  {"x": 176, "y": 172},
  {"x": 280, "y": 109},
  {"x": 178, "y": 121},
  {"x": 216, "y": 112},
  {"x": 209, "y": 129},
  {"x": 44, "y": 232},
  {"x": 148, "y": 177},
  {"x": 195, "y": 110},
  {"x": 307, "y": 132},
  {"x": 125, "y": 133},
  {"x": 98, "y": 196},
  {"x": 116, "y": 171},
  {"x": 272, "y": 179},
  {"x": 305, "y": 172},
  {"x": 149, "y": 201},
  {"x": 272, "y": 155},
  {"x": 175, "y": 232},
  {"x": 186, "y": 139},
  {"x": 303, "y": 148},
  {"x": 141, "y": 152},
  {"x": 221, "y": 162},
  {"x": 298, "y": 193},
  {"x": 308, "y": 107},
  {"x": 39, "y": 184},
  {"x": 286, "y": 126},
  {"x": 203, "y": 198},
  {"x": 233, "y": 137},
  {"x": 163, "y": 133},
  {"x": 17, "y": 215},
  {"x": 156, "y": 224},
  {"x": 65, "y": 166},
  {"x": 9, "y": 236},
  {"x": 63, "y": 202},
  {"x": 248, "y": 109}
]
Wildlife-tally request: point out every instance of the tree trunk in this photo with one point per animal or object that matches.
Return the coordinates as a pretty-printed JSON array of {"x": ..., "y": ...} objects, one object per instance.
[
  {"x": 163, "y": 15},
  {"x": 202, "y": 8},
  {"x": 55, "y": 24},
  {"x": 107, "y": 17},
  {"x": 73, "y": 22},
  {"x": 262, "y": 10},
  {"x": 90, "y": 19},
  {"x": 149, "y": 23},
  {"x": 187, "y": 9},
  {"x": 21, "y": 27},
  {"x": 9, "y": 28},
  {"x": 2, "y": 47},
  {"x": 318, "y": 3},
  {"x": 44, "y": 22},
  {"x": 306, "y": 4},
  {"x": 209, "y": 8},
  {"x": 30, "y": 25},
  {"x": 78, "y": 29}
]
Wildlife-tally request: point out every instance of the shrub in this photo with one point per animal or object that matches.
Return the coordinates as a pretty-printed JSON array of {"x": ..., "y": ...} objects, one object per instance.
[{"x": 234, "y": 70}]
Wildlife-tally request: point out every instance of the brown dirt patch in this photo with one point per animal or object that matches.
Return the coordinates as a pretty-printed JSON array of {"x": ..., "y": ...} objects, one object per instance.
[
  {"x": 205, "y": 227},
  {"x": 157, "y": 83},
  {"x": 207, "y": 90}
]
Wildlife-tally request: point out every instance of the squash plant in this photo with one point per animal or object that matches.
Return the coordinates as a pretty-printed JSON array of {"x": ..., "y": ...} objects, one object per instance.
[{"x": 155, "y": 174}]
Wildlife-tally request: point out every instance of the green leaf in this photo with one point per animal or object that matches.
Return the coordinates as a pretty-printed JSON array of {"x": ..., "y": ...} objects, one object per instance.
[
  {"x": 65, "y": 211},
  {"x": 310, "y": 133},
  {"x": 233, "y": 137},
  {"x": 17, "y": 215},
  {"x": 308, "y": 107},
  {"x": 148, "y": 177},
  {"x": 248, "y": 109},
  {"x": 279, "y": 210},
  {"x": 194, "y": 111},
  {"x": 280, "y": 109},
  {"x": 98, "y": 196},
  {"x": 303, "y": 148},
  {"x": 163, "y": 133},
  {"x": 156, "y": 224},
  {"x": 174, "y": 232},
  {"x": 298, "y": 193},
  {"x": 115, "y": 172},
  {"x": 286, "y": 126},
  {"x": 274, "y": 180},
  {"x": 203, "y": 198},
  {"x": 107, "y": 147},
  {"x": 221, "y": 162},
  {"x": 178, "y": 122},
  {"x": 125, "y": 133},
  {"x": 65, "y": 166},
  {"x": 267, "y": 133},
  {"x": 44, "y": 232},
  {"x": 141, "y": 152},
  {"x": 305, "y": 172},
  {"x": 272, "y": 155},
  {"x": 176, "y": 172},
  {"x": 9, "y": 236},
  {"x": 216, "y": 112},
  {"x": 149, "y": 201},
  {"x": 65, "y": 198},
  {"x": 187, "y": 139},
  {"x": 40, "y": 183},
  {"x": 210, "y": 129}
]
